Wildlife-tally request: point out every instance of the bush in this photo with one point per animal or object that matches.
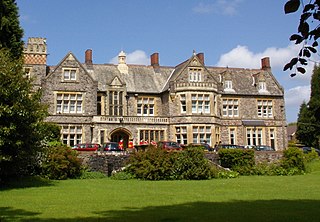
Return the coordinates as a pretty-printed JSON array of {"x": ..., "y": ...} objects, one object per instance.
[
  {"x": 158, "y": 164},
  {"x": 60, "y": 163},
  {"x": 294, "y": 160},
  {"x": 239, "y": 160},
  {"x": 85, "y": 174}
]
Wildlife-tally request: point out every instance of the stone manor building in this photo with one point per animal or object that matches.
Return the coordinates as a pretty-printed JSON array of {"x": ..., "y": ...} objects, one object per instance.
[{"x": 190, "y": 102}]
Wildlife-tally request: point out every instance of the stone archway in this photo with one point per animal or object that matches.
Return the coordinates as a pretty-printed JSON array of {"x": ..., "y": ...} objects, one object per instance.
[{"x": 120, "y": 133}]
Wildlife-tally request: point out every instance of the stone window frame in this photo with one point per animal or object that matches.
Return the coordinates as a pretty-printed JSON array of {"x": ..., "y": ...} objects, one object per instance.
[
  {"x": 69, "y": 102},
  {"x": 27, "y": 71},
  {"x": 71, "y": 134},
  {"x": 69, "y": 77},
  {"x": 145, "y": 106},
  {"x": 230, "y": 107},
  {"x": 199, "y": 135},
  {"x": 195, "y": 74},
  {"x": 265, "y": 108},
  {"x": 183, "y": 103},
  {"x": 115, "y": 102},
  {"x": 272, "y": 136},
  {"x": 232, "y": 132},
  {"x": 181, "y": 133},
  {"x": 200, "y": 103},
  {"x": 254, "y": 136},
  {"x": 147, "y": 134}
]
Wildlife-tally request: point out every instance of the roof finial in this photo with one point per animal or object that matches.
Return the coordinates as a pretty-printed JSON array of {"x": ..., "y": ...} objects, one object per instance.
[{"x": 194, "y": 52}]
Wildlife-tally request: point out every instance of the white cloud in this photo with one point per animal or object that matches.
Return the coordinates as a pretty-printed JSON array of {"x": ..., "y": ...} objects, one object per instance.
[
  {"x": 220, "y": 7},
  {"x": 295, "y": 96},
  {"x": 138, "y": 57}
]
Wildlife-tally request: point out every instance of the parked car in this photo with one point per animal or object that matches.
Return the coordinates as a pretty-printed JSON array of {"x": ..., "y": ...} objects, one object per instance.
[
  {"x": 169, "y": 145},
  {"x": 86, "y": 147},
  {"x": 111, "y": 146},
  {"x": 264, "y": 148},
  {"x": 205, "y": 146},
  {"x": 229, "y": 146},
  {"x": 307, "y": 149}
]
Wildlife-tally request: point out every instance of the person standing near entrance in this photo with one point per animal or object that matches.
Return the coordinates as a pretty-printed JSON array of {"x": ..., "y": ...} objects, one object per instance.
[{"x": 121, "y": 144}]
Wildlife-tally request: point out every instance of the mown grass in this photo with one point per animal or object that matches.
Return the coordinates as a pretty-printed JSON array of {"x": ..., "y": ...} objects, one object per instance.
[{"x": 251, "y": 198}]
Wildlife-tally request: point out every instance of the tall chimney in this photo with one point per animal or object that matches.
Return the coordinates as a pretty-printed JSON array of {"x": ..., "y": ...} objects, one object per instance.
[
  {"x": 88, "y": 57},
  {"x": 265, "y": 63},
  {"x": 201, "y": 57},
  {"x": 155, "y": 60}
]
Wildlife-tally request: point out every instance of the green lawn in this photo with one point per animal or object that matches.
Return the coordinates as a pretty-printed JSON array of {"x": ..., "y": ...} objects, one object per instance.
[{"x": 254, "y": 198}]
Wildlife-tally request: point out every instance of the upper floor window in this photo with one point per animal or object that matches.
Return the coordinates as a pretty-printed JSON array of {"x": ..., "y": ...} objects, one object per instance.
[
  {"x": 115, "y": 103},
  {"x": 195, "y": 75},
  {"x": 183, "y": 103},
  {"x": 69, "y": 103},
  {"x": 265, "y": 108},
  {"x": 227, "y": 84},
  {"x": 145, "y": 106},
  {"x": 69, "y": 74},
  {"x": 262, "y": 86},
  {"x": 27, "y": 72},
  {"x": 200, "y": 103},
  {"x": 230, "y": 107}
]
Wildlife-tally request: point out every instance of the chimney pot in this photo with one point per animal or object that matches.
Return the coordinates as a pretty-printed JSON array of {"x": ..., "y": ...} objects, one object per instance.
[
  {"x": 201, "y": 57},
  {"x": 155, "y": 60},
  {"x": 265, "y": 63},
  {"x": 88, "y": 57}
]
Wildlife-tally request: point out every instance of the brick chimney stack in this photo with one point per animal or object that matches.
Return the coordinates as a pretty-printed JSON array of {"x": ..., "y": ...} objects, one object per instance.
[
  {"x": 155, "y": 60},
  {"x": 265, "y": 63},
  {"x": 201, "y": 57},
  {"x": 88, "y": 57}
]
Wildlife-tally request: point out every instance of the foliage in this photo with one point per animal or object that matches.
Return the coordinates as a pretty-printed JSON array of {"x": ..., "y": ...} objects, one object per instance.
[
  {"x": 60, "y": 163},
  {"x": 10, "y": 30},
  {"x": 122, "y": 175},
  {"x": 293, "y": 160},
  {"x": 240, "y": 160},
  {"x": 308, "y": 31},
  {"x": 21, "y": 118},
  {"x": 158, "y": 164},
  {"x": 85, "y": 174},
  {"x": 308, "y": 126}
]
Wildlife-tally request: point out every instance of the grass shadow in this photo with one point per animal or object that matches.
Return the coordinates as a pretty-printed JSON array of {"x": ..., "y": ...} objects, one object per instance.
[
  {"x": 25, "y": 182},
  {"x": 249, "y": 211}
]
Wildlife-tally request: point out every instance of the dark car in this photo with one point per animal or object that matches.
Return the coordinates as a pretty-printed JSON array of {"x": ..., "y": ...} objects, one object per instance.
[
  {"x": 228, "y": 146},
  {"x": 205, "y": 146},
  {"x": 111, "y": 146},
  {"x": 86, "y": 147},
  {"x": 307, "y": 149},
  {"x": 263, "y": 148},
  {"x": 169, "y": 145}
]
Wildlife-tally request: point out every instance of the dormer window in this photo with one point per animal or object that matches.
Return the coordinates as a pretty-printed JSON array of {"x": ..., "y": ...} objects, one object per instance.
[
  {"x": 69, "y": 74},
  {"x": 262, "y": 86},
  {"x": 195, "y": 75},
  {"x": 227, "y": 84}
]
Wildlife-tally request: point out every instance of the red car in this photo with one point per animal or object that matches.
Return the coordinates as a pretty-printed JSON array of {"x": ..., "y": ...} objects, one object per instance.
[
  {"x": 169, "y": 145},
  {"x": 86, "y": 147}
]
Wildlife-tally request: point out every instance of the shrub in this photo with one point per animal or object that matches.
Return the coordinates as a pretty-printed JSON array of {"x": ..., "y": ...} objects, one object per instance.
[
  {"x": 294, "y": 161},
  {"x": 85, "y": 174},
  {"x": 61, "y": 162},
  {"x": 158, "y": 164},
  {"x": 239, "y": 160}
]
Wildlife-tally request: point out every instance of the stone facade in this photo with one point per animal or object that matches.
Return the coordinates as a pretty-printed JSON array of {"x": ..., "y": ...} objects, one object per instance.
[{"x": 190, "y": 102}]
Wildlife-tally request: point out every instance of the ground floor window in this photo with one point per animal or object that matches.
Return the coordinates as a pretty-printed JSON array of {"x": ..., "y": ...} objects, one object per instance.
[
  {"x": 201, "y": 134},
  {"x": 232, "y": 136},
  {"x": 181, "y": 134},
  {"x": 272, "y": 137},
  {"x": 71, "y": 135},
  {"x": 149, "y": 135},
  {"x": 254, "y": 136}
]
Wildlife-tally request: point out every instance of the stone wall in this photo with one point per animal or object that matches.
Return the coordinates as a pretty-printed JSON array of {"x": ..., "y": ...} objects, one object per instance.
[{"x": 109, "y": 162}]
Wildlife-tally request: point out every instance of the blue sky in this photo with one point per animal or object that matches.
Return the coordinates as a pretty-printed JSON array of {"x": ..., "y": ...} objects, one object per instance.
[{"x": 233, "y": 33}]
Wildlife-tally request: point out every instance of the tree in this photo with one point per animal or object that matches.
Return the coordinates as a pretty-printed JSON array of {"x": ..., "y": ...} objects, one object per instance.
[
  {"x": 10, "y": 32},
  {"x": 308, "y": 130},
  {"x": 308, "y": 33},
  {"x": 21, "y": 119}
]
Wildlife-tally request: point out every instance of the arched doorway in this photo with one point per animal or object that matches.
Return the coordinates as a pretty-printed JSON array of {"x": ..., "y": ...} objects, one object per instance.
[{"x": 120, "y": 134}]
